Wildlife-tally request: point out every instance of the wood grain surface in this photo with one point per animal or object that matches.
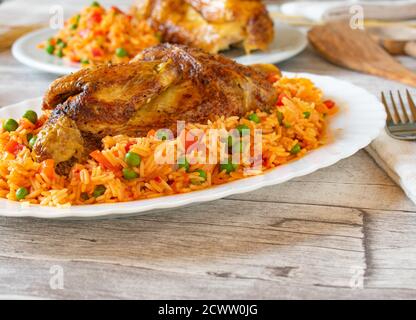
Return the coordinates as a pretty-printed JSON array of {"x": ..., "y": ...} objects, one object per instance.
[
  {"x": 346, "y": 231},
  {"x": 355, "y": 49}
]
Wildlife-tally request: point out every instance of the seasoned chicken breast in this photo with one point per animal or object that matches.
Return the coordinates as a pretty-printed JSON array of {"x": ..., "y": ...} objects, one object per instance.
[
  {"x": 212, "y": 25},
  {"x": 164, "y": 84}
]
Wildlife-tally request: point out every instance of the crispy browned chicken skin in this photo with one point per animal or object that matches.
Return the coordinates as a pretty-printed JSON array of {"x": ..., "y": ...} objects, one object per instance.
[
  {"x": 212, "y": 25},
  {"x": 164, "y": 84}
]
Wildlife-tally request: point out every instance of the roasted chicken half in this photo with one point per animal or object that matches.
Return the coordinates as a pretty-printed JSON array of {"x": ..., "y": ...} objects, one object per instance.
[
  {"x": 163, "y": 84},
  {"x": 212, "y": 25}
]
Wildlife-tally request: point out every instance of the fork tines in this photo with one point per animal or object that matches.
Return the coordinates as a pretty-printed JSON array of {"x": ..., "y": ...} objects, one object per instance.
[{"x": 393, "y": 113}]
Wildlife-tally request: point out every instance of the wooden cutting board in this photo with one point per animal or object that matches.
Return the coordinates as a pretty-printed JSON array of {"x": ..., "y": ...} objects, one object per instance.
[
  {"x": 356, "y": 50},
  {"x": 10, "y": 34}
]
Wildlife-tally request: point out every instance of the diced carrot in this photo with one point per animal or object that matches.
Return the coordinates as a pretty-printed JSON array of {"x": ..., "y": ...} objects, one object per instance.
[
  {"x": 102, "y": 160},
  {"x": 128, "y": 146},
  {"x": 13, "y": 147},
  {"x": 10, "y": 146},
  {"x": 42, "y": 119},
  {"x": 329, "y": 104},
  {"x": 280, "y": 99},
  {"x": 48, "y": 168},
  {"x": 96, "y": 17},
  {"x": 99, "y": 157},
  {"x": 26, "y": 124},
  {"x": 75, "y": 59},
  {"x": 99, "y": 33},
  {"x": 97, "y": 52}
]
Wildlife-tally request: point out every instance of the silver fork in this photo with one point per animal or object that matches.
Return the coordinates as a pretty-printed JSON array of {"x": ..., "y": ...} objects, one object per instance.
[{"x": 400, "y": 126}]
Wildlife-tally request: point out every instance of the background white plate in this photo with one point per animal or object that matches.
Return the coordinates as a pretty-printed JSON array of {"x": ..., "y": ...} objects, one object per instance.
[
  {"x": 360, "y": 120},
  {"x": 288, "y": 42}
]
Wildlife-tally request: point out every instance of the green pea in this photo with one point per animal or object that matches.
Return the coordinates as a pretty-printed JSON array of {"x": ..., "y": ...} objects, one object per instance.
[
  {"x": 60, "y": 43},
  {"x": 10, "y": 125},
  {"x": 121, "y": 52},
  {"x": 296, "y": 149},
  {"x": 74, "y": 26},
  {"x": 95, "y": 4},
  {"x": 50, "y": 49},
  {"x": 184, "y": 165},
  {"x": 98, "y": 191},
  {"x": 129, "y": 174},
  {"x": 132, "y": 159},
  {"x": 242, "y": 127},
  {"x": 228, "y": 167},
  {"x": 21, "y": 193},
  {"x": 32, "y": 141},
  {"x": 60, "y": 54},
  {"x": 306, "y": 114},
  {"x": 84, "y": 196},
  {"x": 202, "y": 174},
  {"x": 77, "y": 18},
  {"x": 84, "y": 61},
  {"x": 287, "y": 125},
  {"x": 31, "y": 115},
  {"x": 254, "y": 117}
]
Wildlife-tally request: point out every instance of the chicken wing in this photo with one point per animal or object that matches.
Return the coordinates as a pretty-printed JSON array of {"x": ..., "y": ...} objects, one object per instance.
[
  {"x": 163, "y": 84},
  {"x": 212, "y": 25}
]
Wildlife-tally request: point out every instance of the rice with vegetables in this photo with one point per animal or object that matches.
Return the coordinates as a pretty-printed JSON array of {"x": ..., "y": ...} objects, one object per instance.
[
  {"x": 97, "y": 35},
  {"x": 125, "y": 169}
]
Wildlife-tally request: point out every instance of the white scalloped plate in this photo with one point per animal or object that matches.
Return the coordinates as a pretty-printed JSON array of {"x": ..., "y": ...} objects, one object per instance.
[
  {"x": 360, "y": 120},
  {"x": 288, "y": 42}
]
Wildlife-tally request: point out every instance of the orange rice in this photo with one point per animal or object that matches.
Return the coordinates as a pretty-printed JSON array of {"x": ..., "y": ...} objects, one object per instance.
[
  {"x": 298, "y": 123},
  {"x": 97, "y": 35}
]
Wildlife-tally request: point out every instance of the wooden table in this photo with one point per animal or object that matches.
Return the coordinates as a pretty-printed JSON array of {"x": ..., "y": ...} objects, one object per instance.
[{"x": 343, "y": 232}]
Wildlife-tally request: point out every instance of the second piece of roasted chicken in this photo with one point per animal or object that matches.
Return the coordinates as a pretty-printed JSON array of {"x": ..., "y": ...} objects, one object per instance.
[
  {"x": 164, "y": 84},
  {"x": 212, "y": 25}
]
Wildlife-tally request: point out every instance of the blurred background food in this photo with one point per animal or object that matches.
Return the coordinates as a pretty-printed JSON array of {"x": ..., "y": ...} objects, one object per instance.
[
  {"x": 98, "y": 35},
  {"x": 210, "y": 25}
]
